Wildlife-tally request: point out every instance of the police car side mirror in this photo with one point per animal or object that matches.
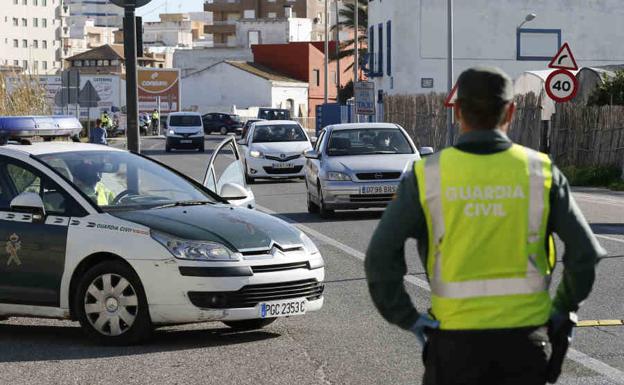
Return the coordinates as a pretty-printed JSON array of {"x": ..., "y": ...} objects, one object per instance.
[
  {"x": 233, "y": 191},
  {"x": 29, "y": 202},
  {"x": 425, "y": 151}
]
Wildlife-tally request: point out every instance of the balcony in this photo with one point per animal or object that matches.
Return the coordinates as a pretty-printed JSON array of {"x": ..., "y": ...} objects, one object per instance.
[
  {"x": 223, "y": 6},
  {"x": 221, "y": 27}
]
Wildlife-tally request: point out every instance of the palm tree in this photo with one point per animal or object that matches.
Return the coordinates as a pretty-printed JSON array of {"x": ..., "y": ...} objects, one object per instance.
[{"x": 347, "y": 22}]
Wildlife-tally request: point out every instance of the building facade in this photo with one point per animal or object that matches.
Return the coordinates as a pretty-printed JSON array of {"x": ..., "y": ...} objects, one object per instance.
[
  {"x": 216, "y": 89},
  {"x": 408, "y": 38},
  {"x": 227, "y": 12},
  {"x": 30, "y": 35},
  {"x": 103, "y": 13},
  {"x": 180, "y": 30}
]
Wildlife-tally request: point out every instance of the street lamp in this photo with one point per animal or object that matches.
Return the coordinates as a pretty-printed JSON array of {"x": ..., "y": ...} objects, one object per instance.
[
  {"x": 529, "y": 17},
  {"x": 449, "y": 74}
]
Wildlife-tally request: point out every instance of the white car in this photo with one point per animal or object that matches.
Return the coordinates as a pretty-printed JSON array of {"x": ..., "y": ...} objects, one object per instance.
[
  {"x": 274, "y": 149},
  {"x": 123, "y": 244},
  {"x": 185, "y": 130}
]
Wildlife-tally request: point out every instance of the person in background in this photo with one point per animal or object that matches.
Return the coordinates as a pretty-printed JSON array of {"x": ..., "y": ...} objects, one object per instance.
[{"x": 98, "y": 134}]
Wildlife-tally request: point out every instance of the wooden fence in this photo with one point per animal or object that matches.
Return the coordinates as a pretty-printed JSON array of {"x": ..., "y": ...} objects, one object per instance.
[
  {"x": 424, "y": 118},
  {"x": 587, "y": 136}
]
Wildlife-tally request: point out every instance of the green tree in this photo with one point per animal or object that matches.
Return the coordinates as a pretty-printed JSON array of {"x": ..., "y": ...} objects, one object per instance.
[
  {"x": 610, "y": 92},
  {"x": 347, "y": 22}
]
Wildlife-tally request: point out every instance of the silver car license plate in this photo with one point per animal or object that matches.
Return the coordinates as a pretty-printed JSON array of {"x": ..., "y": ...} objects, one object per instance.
[{"x": 383, "y": 189}]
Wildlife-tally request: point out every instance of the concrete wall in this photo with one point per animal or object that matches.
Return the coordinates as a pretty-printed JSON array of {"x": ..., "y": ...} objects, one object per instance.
[
  {"x": 190, "y": 61},
  {"x": 298, "y": 94},
  {"x": 168, "y": 34},
  {"x": 485, "y": 34},
  {"x": 274, "y": 31}
]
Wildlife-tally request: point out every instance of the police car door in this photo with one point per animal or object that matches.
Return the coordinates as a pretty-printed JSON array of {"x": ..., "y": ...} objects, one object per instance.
[
  {"x": 226, "y": 175},
  {"x": 32, "y": 247}
]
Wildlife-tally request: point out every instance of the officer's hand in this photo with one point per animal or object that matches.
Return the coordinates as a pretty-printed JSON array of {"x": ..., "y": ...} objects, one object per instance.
[
  {"x": 423, "y": 322},
  {"x": 561, "y": 323}
]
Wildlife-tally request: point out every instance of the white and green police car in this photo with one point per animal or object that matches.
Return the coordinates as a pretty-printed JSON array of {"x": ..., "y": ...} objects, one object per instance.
[{"x": 123, "y": 244}]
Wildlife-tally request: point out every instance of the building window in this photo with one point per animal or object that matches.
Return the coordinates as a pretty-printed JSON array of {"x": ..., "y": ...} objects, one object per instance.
[
  {"x": 35, "y": 65},
  {"x": 15, "y": 2},
  {"x": 317, "y": 77},
  {"x": 24, "y": 2},
  {"x": 77, "y": 63},
  {"x": 15, "y": 21},
  {"x": 372, "y": 59},
  {"x": 389, "y": 48},
  {"x": 115, "y": 62},
  {"x": 44, "y": 3},
  {"x": 24, "y": 43},
  {"x": 380, "y": 53},
  {"x": 44, "y": 65},
  {"x": 44, "y": 44},
  {"x": 106, "y": 63},
  {"x": 24, "y": 23},
  {"x": 271, "y": 15},
  {"x": 16, "y": 63},
  {"x": 249, "y": 14},
  {"x": 93, "y": 63},
  {"x": 25, "y": 64},
  {"x": 35, "y": 22},
  {"x": 35, "y": 44},
  {"x": 44, "y": 23},
  {"x": 254, "y": 38},
  {"x": 15, "y": 43}
]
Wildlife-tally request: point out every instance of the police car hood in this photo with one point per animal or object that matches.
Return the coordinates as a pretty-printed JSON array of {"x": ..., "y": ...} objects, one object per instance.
[
  {"x": 238, "y": 228},
  {"x": 371, "y": 163}
]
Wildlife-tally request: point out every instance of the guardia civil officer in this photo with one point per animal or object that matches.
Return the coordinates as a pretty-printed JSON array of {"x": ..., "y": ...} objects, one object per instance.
[{"x": 483, "y": 213}]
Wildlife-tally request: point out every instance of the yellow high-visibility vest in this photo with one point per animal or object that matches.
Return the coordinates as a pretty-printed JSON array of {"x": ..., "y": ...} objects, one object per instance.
[{"x": 490, "y": 257}]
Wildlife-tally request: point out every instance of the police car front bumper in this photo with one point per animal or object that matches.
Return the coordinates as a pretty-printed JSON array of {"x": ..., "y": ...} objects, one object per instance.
[{"x": 236, "y": 294}]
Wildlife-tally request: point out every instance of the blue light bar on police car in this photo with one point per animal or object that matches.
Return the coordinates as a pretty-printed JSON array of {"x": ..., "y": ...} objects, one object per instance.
[{"x": 17, "y": 127}]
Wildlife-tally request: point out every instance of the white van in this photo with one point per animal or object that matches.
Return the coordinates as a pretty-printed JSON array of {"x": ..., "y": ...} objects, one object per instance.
[{"x": 184, "y": 130}]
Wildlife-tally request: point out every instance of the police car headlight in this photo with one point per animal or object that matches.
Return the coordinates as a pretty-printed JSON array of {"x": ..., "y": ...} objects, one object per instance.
[
  {"x": 337, "y": 176},
  {"x": 195, "y": 250}
]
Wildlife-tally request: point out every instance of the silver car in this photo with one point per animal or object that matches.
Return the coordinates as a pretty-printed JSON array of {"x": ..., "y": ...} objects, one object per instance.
[{"x": 357, "y": 166}]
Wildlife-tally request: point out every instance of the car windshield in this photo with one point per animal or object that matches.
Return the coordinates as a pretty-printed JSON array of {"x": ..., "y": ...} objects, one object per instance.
[
  {"x": 235, "y": 118},
  {"x": 279, "y": 133},
  {"x": 185, "y": 121},
  {"x": 368, "y": 141},
  {"x": 116, "y": 180}
]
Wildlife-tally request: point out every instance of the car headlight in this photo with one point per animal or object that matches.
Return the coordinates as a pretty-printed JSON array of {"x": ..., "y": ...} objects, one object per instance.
[
  {"x": 194, "y": 250},
  {"x": 337, "y": 176},
  {"x": 171, "y": 132},
  {"x": 308, "y": 244},
  {"x": 255, "y": 154}
]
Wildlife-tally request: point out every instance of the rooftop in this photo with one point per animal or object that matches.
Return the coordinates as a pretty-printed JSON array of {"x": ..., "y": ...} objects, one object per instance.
[{"x": 262, "y": 71}]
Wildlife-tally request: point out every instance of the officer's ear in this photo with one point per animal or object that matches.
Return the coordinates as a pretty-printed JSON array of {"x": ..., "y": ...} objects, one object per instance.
[{"x": 509, "y": 113}]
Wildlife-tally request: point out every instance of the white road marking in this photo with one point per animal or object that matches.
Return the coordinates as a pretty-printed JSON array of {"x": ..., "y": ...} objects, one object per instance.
[
  {"x": 599, "y": 200},
  {"x": 573, "y": 354},
  {"x": 610, "y": 238}
]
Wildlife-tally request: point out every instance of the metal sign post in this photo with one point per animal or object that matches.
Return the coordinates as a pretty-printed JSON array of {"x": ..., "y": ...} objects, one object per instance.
[{"x": 130, "y": 53}]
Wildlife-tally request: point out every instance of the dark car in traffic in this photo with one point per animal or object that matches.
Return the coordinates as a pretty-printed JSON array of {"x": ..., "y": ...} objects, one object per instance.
[{"x": 221, "y": 123}]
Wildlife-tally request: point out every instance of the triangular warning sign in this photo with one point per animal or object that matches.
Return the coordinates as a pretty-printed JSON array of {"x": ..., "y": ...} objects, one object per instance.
[
  {"x": 564, "y": 59},
  {"x": 452, "y": 97}
]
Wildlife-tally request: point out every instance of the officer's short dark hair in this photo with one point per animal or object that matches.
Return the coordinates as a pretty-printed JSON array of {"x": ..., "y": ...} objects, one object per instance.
[
  {"x": 98, "y": 122},
  {"x": 483, "y": 94}
]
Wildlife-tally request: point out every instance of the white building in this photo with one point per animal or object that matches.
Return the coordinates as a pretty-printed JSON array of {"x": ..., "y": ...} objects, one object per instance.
[
  {"x": 103, "y": 13},
  {"x": 218, "y": 88},
  {"x": 30, "y": 36},
  {"x": 272, "y": 31},
  {"x": 90, "y": 37},
  {"x": 408, "y": 38},
  {"x": 168, "y": 34},
  {"x": 193, "y": 60}
]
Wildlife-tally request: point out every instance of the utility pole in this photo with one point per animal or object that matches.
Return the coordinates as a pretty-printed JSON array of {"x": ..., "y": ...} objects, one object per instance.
[
  {"x": 326, "y": 77},
  {"x": 449, "y": 111}
]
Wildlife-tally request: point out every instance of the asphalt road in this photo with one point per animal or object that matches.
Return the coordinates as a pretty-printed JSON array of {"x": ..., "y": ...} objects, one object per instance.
[{"x": 345, "y": 343}]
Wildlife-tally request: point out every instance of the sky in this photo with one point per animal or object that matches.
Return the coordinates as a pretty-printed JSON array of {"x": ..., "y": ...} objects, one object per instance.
[{"x": 151, "y": 11}]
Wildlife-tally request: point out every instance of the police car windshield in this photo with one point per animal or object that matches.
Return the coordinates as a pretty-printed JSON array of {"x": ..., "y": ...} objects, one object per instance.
[
  {"x": 279, "y": 133},
  {"x": 368, "y": 142},
  {"x": 122, "y": 181}
]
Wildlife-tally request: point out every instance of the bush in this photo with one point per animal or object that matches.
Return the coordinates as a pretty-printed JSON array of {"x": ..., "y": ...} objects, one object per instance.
[
  {"x": 599, "y": 176},
  {"x": 610, "y": 92},
  {"x": 22, "y": 95}
]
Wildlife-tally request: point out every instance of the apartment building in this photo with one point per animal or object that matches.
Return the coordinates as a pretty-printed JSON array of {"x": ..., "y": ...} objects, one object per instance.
[
  {"x": 181, "y": 30},
  {"x": 30, "y": 36},
  {"x": 227, "y": 12},
  {"x": 103, "y": 13}
]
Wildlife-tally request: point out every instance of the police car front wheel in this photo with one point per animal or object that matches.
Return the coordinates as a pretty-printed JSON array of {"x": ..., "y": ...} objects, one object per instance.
[{"x": 111, "y": 306}]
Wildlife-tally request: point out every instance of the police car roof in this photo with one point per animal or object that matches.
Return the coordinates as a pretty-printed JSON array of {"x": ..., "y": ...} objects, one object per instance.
[
  {"x": 362, "y": 126},
  {"x": 41, "y": 148}
]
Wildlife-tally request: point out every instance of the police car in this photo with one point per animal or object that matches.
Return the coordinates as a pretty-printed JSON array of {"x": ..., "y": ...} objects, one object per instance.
[{"x": 123, "y": 244}]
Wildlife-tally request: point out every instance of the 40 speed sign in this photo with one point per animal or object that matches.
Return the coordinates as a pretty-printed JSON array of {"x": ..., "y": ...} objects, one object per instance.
[{"x": 561, "y": 85}]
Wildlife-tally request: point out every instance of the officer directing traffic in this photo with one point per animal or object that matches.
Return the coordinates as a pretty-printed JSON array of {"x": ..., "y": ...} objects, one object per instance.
[{"x": 483, "y": 213}]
